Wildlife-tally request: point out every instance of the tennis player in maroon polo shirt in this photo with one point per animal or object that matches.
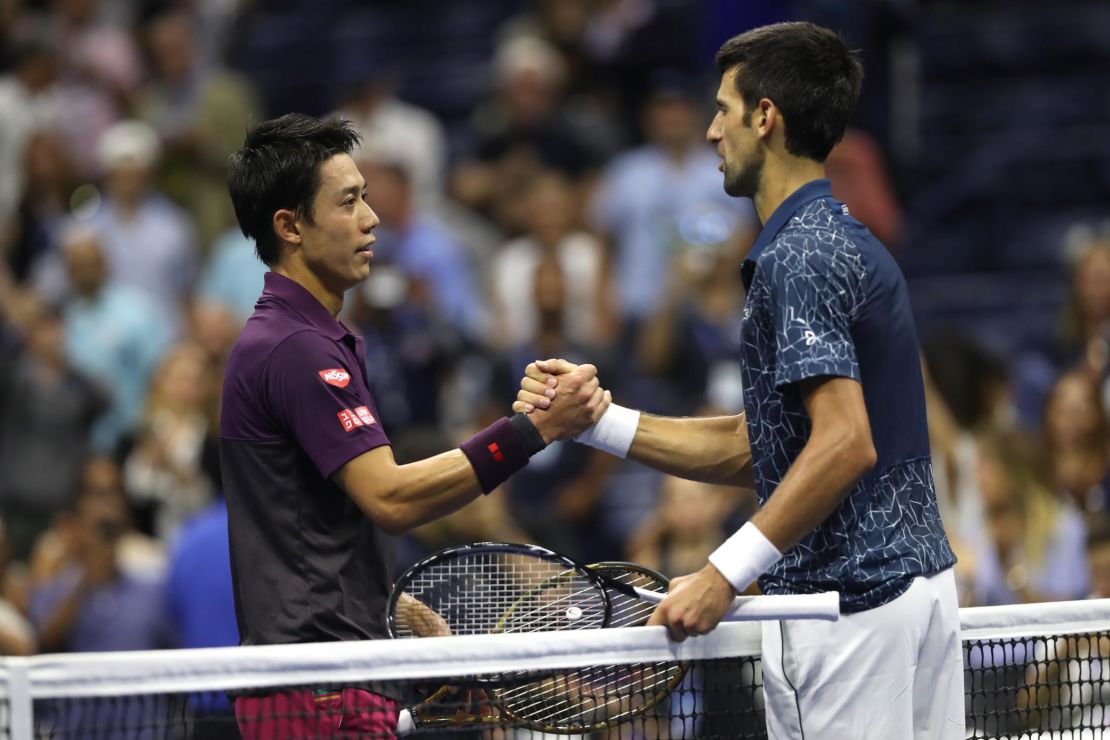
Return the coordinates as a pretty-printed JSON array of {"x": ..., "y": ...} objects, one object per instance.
[{"x": 312, "y": 486}]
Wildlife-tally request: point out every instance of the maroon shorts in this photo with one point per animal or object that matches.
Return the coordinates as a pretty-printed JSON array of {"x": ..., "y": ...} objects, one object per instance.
[{"x": 304, "y": 714}]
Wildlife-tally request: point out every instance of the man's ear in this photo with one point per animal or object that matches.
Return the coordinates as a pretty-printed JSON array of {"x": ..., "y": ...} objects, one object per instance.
[
  {"x": 285, "y": 226},
  {"x": 767, "y": 117}
]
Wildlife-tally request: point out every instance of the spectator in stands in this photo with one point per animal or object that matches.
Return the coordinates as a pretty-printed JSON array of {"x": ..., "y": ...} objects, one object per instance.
[
  {"x": 42, "y": 211},
  {"x": 558, "y": 499},
  {"x": 409, "y": 135},
  {"x": 524, "y": 128},
  {"x": 56, "y": 549},
  {"x": 690, "y": 519},
  {"x": 1035, "y": 548},
  {"x": 163, "y": 473},
  {"x": 148, "y": 241},
  {"x": 198, "y": 586},
  {"x": 101, "y": 71},
  {"x": 1077, "y": 443},
  {"x": 200, "y": 114},
  {"x": 113, "y": 333},
  {"x": 859, "y": 178},
  {"x": 17, "y": 636},
  {"x": 1098, "y": 558},
  {"x": 551, "y": 216},
  {"x": 693, "y": 335},
  {"x": 28, "y": 103},
  {"x": 47, "y": 410},
  {"x": 1085, "y": 325},
  {"x": 657, "y": 195},
  {"x": 416, "y": 243},
  {"x": 233, "y": 274},
  {"x": 94, "y": 604}
]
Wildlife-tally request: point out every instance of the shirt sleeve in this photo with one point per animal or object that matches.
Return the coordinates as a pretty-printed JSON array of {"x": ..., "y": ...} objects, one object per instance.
[
  {"x": 814, "y": 295},
  {"x": 316, "y": 399}
]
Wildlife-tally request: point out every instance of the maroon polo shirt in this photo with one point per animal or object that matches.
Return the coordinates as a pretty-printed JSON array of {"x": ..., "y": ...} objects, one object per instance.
[{"x": 307, "y": 564}]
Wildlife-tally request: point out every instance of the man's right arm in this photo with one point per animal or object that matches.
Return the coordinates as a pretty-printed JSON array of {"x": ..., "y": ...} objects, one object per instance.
[
  {"x": 711, "y": 449},
  {"x": 400, "y": 497}
]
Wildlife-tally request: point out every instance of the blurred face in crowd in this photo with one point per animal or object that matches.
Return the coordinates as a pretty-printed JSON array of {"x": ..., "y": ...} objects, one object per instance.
[
  {"x": 101, "y": 522},
  {"x": 733, "y": 132},
  {"x": 170, "y": 40},
  {"x": 550, "y": 290},
  {"x": 1072, "y": 414},
  {"x": 1092, "y": 283},
  {"x": 530, "y": 95},
  {"x": 334, "y": 241},
  {"x": 46, "y": 338},
  {"x": 1000, "y": 504},
  {"x": 550, "y": 209},
  {"x": 670, "y": 121},
  {"x": 388, "y": 189},
  {"x": 85, "y": 266},
  {"x": 181, "y": 383},
  {"x": 214, "y": 327},
  {"x": 128, "y": 182},
  {"x": 690, "y": 509}
]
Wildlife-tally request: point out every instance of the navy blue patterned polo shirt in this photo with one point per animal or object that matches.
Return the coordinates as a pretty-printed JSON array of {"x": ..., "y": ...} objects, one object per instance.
[{"x": 825, "y": 298}]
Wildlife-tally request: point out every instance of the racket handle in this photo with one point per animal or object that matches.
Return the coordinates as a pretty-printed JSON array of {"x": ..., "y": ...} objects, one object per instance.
[
  {"x": 405, "y": 723},
  {"x": 824, "y": 606}
]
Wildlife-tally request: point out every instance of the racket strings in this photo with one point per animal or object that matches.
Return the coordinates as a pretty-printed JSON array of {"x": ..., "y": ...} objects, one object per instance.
[
  {"x": 484, "y": 592},
  {"x": 597, "y": 696}
]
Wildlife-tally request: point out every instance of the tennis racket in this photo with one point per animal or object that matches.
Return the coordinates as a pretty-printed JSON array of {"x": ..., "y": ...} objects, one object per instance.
[
  {"x": 500, "y": 587},
  {"x": 566, "y": 701}
]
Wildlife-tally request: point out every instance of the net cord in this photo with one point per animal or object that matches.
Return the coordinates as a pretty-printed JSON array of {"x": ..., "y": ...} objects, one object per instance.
[{"x": 207, "y": 669}]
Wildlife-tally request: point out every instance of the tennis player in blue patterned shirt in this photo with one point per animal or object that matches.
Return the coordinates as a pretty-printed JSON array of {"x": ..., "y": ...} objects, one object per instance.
[{"x": 833, "y": 437}]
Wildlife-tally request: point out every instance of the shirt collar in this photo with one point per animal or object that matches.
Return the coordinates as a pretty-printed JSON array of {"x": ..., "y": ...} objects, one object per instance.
[
  {"x": 812, "y": 190},
  {"x": 297, "y": 297}
]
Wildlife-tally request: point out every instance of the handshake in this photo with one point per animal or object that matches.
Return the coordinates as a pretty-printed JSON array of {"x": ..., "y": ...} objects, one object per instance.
[{"x": 562, "y": 399}]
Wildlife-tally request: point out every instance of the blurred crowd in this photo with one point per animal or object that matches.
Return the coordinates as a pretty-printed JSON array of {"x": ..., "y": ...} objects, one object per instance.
[{"x": 575, "y": 211}]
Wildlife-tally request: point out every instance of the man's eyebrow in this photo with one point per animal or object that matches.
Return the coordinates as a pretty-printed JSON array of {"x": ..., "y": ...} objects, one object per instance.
[{"x": 352, "y": 189}]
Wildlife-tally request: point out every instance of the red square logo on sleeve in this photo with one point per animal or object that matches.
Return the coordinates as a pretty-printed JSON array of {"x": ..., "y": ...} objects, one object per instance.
[
  {"x": 365, "y": 416},
  {"x": 349, "y": 419}
]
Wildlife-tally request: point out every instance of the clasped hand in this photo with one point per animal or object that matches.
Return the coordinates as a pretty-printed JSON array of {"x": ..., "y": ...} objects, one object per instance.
[{"x": 562, "y": 398}]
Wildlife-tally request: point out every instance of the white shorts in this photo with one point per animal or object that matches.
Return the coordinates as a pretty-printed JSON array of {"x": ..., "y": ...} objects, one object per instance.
[{"x": 892, "y": 672}]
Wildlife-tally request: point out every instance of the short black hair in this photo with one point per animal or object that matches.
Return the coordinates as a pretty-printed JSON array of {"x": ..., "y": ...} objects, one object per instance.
[
  {"x": 809, "y": 74},
  {"x": 279, "y": 167}
]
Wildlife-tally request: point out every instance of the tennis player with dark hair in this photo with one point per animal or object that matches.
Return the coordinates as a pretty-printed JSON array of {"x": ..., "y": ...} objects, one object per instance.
[
  {"x": 312, "y": 487},
  {"x": 833, "y": 437}
]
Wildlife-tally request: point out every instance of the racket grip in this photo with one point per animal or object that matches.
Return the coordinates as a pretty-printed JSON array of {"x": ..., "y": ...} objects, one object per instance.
[
  {"x": 824, "y": 606},
  {"x": 405, "y": 723}
]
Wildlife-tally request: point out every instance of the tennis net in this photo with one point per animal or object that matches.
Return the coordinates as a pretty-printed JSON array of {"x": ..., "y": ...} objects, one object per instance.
[{"x": 1035, "y": 671}]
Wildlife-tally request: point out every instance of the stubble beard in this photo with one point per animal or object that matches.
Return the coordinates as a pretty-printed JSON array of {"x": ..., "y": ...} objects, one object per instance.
[{"x": 744, "y": 183}]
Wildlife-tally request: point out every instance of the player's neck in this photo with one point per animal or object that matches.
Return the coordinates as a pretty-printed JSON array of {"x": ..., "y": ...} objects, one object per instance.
[
  {"x": 310, "y": 281},
  {"x": 781, "y": 177}
]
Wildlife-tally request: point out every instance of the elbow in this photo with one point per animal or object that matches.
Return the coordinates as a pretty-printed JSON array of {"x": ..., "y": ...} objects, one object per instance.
[
  {"x": 387, "y": 512},
  {"x": 863, "y": 455},
  {"x": 391, "y": 519}
]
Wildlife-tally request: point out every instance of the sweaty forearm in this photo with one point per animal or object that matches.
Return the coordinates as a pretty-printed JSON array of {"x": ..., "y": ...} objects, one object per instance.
[{"x": 709, "y": 449}]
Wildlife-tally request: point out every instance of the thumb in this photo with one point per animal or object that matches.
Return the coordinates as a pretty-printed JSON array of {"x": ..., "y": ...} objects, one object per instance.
[{"x": 557, "y": 366}]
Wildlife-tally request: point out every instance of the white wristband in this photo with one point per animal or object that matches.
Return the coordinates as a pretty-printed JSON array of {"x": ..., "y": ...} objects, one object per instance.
[
  {"x": 613, "y": 432},
  {"x": 745, "y": 556}
]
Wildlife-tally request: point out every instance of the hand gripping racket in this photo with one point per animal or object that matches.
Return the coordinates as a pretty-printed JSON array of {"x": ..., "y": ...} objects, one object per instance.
[{"x": 499, "y": 587}]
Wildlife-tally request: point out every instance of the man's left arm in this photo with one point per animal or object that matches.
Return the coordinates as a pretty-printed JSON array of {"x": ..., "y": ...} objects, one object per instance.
[{"x": 838, "y": 453}]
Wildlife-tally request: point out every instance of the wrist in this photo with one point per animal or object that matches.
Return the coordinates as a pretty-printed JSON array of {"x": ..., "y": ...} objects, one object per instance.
[
  {"x": 745, "y": 556},
  {"x": 500, "y": 450},
  {"x": 614, "y": 432}
]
